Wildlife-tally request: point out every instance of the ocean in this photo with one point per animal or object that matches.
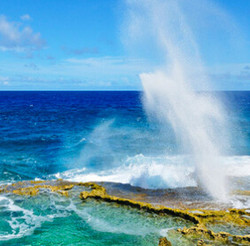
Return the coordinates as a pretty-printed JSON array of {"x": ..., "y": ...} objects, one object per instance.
[{"x": 99, "y": 136}]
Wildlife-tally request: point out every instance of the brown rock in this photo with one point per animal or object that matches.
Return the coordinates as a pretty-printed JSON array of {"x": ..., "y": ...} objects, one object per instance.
[{"x": 164, "y": 242}]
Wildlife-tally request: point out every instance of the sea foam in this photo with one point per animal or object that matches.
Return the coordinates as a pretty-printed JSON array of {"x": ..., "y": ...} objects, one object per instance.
[{"x": 153, "y": 172}]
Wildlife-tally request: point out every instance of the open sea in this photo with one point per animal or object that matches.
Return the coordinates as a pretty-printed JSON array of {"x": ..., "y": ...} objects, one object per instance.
[{"x": 98, "y": 136}]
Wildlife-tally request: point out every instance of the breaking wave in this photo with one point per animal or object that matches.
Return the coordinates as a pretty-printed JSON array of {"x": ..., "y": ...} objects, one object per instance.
[{"x": 156, "y": 172}]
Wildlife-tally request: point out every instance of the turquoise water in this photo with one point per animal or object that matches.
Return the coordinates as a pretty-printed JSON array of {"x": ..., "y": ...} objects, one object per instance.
[
  {"x": 100, "y": 136},
  {"x": 51, "y": 219}
]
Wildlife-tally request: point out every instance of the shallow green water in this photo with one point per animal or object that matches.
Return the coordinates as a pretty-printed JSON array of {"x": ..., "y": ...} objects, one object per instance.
[
  {"x": 230, "y": 228},
  {"x": 50, "y": 219}
]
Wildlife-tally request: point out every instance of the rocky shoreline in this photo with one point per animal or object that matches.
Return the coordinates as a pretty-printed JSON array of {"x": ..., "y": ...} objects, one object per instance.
[{"x": 202, "y": 218}]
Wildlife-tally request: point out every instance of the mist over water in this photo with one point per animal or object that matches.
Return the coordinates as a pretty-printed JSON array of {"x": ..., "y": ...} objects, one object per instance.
[{"x": 197, "y": 119}]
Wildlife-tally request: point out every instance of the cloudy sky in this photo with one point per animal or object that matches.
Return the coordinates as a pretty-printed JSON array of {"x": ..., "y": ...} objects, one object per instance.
[{"x": 79, "y": 45}]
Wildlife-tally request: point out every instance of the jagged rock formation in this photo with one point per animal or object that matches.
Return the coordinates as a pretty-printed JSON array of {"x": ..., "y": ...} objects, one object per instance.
[{"x": 200, "y": 218}]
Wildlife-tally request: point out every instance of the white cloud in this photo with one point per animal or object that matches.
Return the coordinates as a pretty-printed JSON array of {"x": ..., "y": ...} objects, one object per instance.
[
  {"x": 91, "y": 73},
  {"x": 108, "y": 65},
  {"x": 25, "y": 17},
  {"x": 31, "y": 65},
  {"x": 4, "y": 80},
  {"x": 17, "y": 37},
  {"x": 80, "y": 51}
]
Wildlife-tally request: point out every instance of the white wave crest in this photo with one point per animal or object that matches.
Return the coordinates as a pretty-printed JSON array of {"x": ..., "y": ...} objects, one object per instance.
[
  {"x": 22, "y": 222},
  {"x": 156, "y": 172}
]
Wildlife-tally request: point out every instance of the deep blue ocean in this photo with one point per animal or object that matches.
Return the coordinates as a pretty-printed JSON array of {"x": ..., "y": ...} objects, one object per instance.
[
  {"x": 101, "y": 136},
  {"x": 97, "y": 134}
]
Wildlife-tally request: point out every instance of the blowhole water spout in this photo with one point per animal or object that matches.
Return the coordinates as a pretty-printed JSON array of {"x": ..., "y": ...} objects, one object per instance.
[{"x": 170, "y": 93}]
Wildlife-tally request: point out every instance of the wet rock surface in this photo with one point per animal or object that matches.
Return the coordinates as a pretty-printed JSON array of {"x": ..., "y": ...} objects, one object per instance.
[{"x": 182, "y": 202}]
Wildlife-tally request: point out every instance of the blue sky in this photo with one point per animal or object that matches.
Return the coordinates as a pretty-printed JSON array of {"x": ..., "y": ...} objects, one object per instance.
[{"x": 78, "y": 45}]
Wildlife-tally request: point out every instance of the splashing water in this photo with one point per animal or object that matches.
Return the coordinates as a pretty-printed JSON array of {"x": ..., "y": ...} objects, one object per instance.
[{"x": 169, "y": 93}]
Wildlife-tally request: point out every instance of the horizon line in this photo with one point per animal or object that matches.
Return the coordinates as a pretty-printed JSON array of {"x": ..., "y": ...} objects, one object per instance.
[{"x": 114, "y": 90}]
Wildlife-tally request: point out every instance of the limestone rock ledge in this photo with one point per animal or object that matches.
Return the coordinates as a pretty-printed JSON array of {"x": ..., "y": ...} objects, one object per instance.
[{"x": 199, "y": 217}]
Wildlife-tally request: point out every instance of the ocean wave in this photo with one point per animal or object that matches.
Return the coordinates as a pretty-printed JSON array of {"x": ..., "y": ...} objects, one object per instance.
[
  {"x": 157, "y": 172},
  {"x": 19, "y": 222}
]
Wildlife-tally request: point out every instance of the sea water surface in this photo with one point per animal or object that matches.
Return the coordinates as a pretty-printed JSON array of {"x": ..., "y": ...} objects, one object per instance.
[{"x": 98, "y": 136}]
